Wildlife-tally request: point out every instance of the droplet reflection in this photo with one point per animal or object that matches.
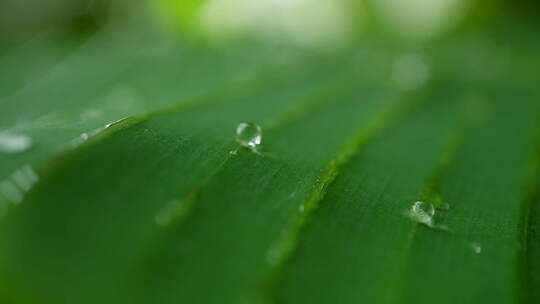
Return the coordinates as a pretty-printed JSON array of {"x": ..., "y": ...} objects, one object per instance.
[
  {"x": 249, "y": 134},
  {"x": 422, "y": 212}
]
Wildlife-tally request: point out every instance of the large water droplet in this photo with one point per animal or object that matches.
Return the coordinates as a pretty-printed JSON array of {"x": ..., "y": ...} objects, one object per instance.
[
  {"x": 14, "y": 143},
  {"x": 423, "y": 213},
  {"x": 249, "y": 134}
]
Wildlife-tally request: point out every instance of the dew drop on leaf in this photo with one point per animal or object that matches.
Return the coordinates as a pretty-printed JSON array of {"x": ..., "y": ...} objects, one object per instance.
[
  {"x": 249, "y": 134},
  {"x": 14, "y": 143},
  {"x": 422, "y": 212},
  {"x": 110, "y": 124}
]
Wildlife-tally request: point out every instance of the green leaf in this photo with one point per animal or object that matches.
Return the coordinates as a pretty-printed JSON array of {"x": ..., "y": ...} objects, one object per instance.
[
  {"x": 91, "y": 88},
  {"x": 165, "y": 206},
  {"x": 373, "y": 253}
]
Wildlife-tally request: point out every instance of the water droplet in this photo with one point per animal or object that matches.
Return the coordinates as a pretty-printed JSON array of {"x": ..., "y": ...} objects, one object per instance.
[
  {"x": 14, "y": 143},
  {"x": 79, "y": 140},
  {"x": 233, "y": 152},
  {"x": 301, "y": 208},
  {"x": 85, "y": 136},
  {"x": 249, "y": 134},
  {"x": 423, "y": 213},
  {"x": 476, "y": 248},
  {"x": 114, "y": 122}
]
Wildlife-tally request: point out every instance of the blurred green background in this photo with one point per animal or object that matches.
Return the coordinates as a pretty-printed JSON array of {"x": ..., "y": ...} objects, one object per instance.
[{"x": 297, "y": 21}]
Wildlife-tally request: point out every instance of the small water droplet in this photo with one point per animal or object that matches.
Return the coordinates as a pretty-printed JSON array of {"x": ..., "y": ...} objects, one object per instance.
[
  {"x": 249, "y": 134},
  {"x": 114, "y": 123},
  {"x": 476, "y": 248},
  {"x": 85, "y": 136},
  {"x": 233, "y": 152},
  {"x": 79, "y": 140},
  {"x": 301, "y": 208},
  {"x": 14, "y": 143},
  {"x": 422, "y": 212}
]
